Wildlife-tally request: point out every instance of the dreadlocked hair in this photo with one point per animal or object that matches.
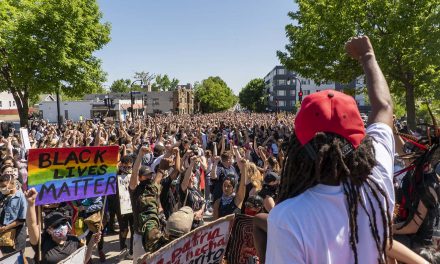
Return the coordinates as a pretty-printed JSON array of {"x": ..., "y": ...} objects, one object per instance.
[{"x": 300, "y": 172}]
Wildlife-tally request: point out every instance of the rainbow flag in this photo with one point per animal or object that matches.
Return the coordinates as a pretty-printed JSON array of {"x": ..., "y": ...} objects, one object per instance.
[{"x": 67, "y": 174}]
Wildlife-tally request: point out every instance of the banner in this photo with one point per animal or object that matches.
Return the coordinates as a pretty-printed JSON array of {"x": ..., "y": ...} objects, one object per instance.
[
  {"x": 67, "y": 174},
  {"x": 77, "y": 257},
  {"x": 206, "y": 244},
  {"x": 14, "y": 258},
  {"x": 241, "y": 243},
  {"x": 124, "y": 194}
]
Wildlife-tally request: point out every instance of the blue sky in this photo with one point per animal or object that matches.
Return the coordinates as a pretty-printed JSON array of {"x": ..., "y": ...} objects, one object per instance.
[{"x": 194, "y": 39}]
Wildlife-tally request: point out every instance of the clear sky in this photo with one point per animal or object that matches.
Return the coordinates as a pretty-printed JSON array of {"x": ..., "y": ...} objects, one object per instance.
[{"x": 194, "y": 39}]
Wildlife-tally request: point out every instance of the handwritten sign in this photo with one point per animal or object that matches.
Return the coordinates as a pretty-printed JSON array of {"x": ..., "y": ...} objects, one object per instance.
[
  {"x": 66, "y": 174},
  {"x": 124, "y": 194},
  {"x": 25, "y": 138},
  {"x": 241, "y": 243},
  {"x": 206, "y": 244},
  {"x": 77, "y": 257}
]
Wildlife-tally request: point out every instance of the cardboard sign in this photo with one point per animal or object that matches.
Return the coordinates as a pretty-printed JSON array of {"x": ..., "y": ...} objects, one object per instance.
[
  {"x": 241, "y": 243},
  {"x": 77, "y": 257},
  {"x": 25, "y": 138},
  {"x": 14, "y": 258},
  {"x": 67, "y": 174},
  {"x": 206, "y": 244},
  {"x": 124, "y": 194}
]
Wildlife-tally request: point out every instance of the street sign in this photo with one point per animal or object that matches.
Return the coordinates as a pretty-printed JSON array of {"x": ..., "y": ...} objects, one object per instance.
[{"x": 135, "y": 92}]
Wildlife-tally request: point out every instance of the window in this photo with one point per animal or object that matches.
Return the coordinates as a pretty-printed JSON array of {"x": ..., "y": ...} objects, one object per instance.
[
  {"x": 282, "y": 82},
  {"x": 10, "y": 103},
  {"x": 281, "y": 92},
  {"x": 318, "y": 90},
  {"x": 303, "y": 82},
  {"x": 292, "y": 92},
  {"x": 281, "y": 103},
  {"x": 13, "y": 103},
  {"x": 281, "y": 71},
  {"x": 271, "y": 98},
  {"x": 1, "y": 104},
  {"x": 306, "y": 92},
  {"x": 292, "y": 103}
]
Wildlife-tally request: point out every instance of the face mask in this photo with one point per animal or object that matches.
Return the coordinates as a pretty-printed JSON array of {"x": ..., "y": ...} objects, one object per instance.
[
  {"x": 250, "y": 211},
  {"x": 60, "y": 232},
  {"x": 5, "y": 191}
]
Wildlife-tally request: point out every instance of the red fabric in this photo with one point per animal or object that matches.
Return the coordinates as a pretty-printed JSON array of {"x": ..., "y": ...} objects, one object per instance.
[
  {"x": 329, "y": 111},
  {"x": 202, "y": 179}
]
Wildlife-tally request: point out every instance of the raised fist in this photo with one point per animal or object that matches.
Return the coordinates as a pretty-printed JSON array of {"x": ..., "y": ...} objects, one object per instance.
[
  {"x": 31, "y": 196},
  {"x": 358, "y": 47}
]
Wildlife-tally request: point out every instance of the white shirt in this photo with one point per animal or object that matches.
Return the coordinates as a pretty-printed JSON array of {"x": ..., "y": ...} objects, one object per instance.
[{"x": 314, "y": 226}]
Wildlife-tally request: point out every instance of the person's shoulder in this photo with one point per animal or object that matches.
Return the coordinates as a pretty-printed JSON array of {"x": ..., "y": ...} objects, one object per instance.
[
  {"x": 74, "y": 239},
  {"x": 287, "y": 210},
  {"x": 380, "y": 130}
]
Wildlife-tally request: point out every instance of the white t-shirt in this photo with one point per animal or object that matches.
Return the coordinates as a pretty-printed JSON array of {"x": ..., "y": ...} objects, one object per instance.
[{"x": 314, "y": 226}]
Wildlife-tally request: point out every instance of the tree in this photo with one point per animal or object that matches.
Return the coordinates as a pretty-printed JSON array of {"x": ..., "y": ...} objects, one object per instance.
[
  {"x": 404, "y": 34},
  {"x": 214, "y": 95},
  {"x": 47, "y": 46},
  {"x": 121, "y": 86},
  {"x": 253, "y": 95},
  {"x": 163, "y": 83},
  {"x": 145, "y": 77}
]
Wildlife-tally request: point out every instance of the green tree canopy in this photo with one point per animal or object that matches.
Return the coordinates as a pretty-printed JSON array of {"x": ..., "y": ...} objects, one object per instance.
[
  {"x": 253, "y": 95},
  {"x": 405, "y": 35},
  {"x": 48, "y": 45},
  {"x": 164, "y": 83},
  {"x": 120, "y": 86},
  {"x": 214, "y": 95}
]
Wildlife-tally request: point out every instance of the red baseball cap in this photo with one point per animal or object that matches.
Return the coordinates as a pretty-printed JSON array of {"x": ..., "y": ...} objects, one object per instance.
[{"x": 329, "y": 111}]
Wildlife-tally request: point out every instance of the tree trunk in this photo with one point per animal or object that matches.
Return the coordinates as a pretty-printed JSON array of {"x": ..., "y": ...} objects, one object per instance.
[
  {"x": 23, "y": 113},
  {"x": 410, "y": 104}
]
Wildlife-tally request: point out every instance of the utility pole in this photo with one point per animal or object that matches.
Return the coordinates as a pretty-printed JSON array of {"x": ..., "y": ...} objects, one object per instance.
[
  {"x": 131, "y": 97},
  {"x": 58, "y": 108}
]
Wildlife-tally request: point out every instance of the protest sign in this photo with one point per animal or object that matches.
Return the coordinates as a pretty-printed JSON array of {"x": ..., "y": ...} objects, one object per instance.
[
  {"x": 124, "y": 194},
  {"x": 25, "y": 138},
  {"x": 241, "y": 243},
  {"x": 14, "y": 258},
  {"x": 66, "y": 174},
  {"x": 77, "y": 257},
  {"x": 206, "y": 244}
]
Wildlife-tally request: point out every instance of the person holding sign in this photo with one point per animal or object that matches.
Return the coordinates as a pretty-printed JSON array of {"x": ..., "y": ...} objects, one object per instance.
[{"x": 56, "y": 243}]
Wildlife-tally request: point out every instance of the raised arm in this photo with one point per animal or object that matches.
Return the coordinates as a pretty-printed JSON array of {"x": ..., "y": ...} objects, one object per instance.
[
  {"x": 31, "y": 217},
  {"x": 360, "y": 48},
  {"x": 134, "y": 179},
  {"x": 188, "y": 172},
  {"x": 239, "y": 197}
]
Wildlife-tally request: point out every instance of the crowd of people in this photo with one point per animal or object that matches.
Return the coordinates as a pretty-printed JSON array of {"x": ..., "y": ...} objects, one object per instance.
[{"x": 321, "y": 186}]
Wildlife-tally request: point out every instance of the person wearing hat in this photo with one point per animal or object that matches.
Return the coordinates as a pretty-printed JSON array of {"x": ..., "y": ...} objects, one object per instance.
[
  {"x": 269, "y": 192},
  {"x": 144, "y": 193},
  {"x": 56, "y": 242},
  {"x": 336, "y": 193},
  {"x": 179, "y": 223}
]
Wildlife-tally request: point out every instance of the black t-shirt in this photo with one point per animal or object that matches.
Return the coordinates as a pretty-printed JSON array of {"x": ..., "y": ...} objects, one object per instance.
[
  {"x": 194, "y": 199},
  {"x": 217, "y": 184},
  {"x": 169, "y": 199},
  {"x": 53, "y": 253}
]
